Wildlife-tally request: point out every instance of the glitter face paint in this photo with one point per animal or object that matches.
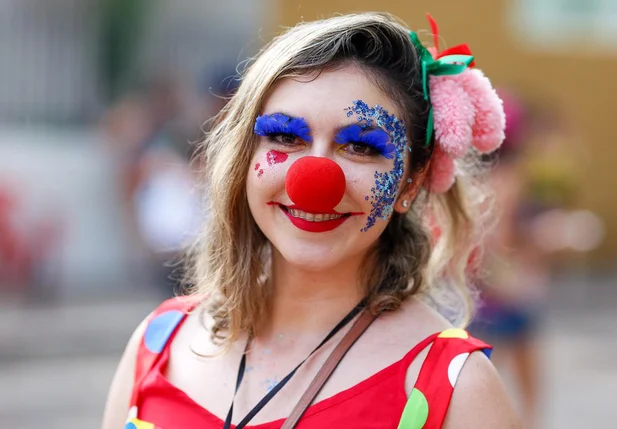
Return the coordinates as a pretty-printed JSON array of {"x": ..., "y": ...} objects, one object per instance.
[
  {"x": 386, "y": 184},
  {"x": 279, "y": 124},
  {"x": 273, "y": 157},
  {"x": 260, "y": 171},
  {"x": 276, "y": 157}
]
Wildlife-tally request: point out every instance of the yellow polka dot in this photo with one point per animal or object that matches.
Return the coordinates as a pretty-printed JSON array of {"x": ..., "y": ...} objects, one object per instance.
[
  {"x": 454, "y": 333},
  {"x": 138, "y": 424}
]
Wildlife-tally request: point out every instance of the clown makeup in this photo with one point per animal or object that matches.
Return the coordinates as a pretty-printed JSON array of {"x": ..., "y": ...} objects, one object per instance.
[
  {"x": 276, "y": 157},
  {"x": 386, "y": 184},
  {"x": 273, "y": 157},
  {"x": 311, "y": 216},
  {"x": 377, "y": 133},
  {"x": 366, "y": 136},
  {"x": 282, "y": 128}
]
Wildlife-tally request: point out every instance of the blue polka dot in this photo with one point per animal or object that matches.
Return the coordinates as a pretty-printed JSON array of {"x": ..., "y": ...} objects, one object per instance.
[
  {"x": 130, "y": 425},
  {"x": 160, "y": 329}
]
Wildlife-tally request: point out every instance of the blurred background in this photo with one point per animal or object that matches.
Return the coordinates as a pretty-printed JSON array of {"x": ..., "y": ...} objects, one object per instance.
[{"x": 101, "y": 99}]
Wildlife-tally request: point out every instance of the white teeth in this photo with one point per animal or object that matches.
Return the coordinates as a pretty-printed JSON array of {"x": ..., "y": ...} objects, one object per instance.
[{"x": 320, "y": 217}]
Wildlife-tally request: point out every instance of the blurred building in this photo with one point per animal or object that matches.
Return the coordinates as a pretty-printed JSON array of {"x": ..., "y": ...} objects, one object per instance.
[
  {"x": 58, "y": 56},
  {"x": 64, "y": 63}
]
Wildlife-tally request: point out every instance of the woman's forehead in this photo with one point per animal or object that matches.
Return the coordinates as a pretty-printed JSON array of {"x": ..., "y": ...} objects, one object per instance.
[{"x": 326, "y": 96}]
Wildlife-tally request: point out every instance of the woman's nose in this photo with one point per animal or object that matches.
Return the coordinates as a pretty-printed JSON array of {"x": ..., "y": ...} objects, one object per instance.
[{"x": 315, "y": 184}]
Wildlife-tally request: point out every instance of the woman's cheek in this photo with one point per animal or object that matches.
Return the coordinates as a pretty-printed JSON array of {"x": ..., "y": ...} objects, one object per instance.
[
  {"x": 358, "y": 184},
  {"x": 266, "y": 162}
]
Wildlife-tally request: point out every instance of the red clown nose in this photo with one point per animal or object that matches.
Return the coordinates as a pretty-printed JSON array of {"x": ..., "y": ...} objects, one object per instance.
[{"x": 315, "y": 185}]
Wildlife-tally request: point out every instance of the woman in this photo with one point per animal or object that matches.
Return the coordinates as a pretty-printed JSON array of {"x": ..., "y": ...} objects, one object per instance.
[{"x": 321, "y": 173}]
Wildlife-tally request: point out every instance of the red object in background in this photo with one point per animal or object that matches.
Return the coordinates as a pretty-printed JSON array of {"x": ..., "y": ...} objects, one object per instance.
[
  {"x": 23, "y": 250},
  {"x": 315, "y": 185},
  {"x": 15, "y": 257}
]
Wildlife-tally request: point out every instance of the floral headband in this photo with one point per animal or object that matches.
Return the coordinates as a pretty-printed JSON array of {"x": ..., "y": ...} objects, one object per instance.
[{"x": 465, "y": 111}]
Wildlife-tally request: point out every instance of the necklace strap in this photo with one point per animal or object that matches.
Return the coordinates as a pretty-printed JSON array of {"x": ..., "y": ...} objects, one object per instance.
[
  {"x": 268, "y": 397},
  {"x": 358, "y": 328}
]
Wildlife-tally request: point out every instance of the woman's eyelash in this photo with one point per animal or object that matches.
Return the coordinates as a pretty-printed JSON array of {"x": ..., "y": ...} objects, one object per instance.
[
  {"x": 280, "y": 137},
  {"x": 281, "y": 124},
  {"x": 376, "y": 138}
]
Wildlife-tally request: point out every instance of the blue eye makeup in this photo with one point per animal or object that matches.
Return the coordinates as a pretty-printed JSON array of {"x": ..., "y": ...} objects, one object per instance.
[
  {"x": 281, "y": 124},
  {"x": 373, "y": 137},
  {"x": 383, "y": 193}
]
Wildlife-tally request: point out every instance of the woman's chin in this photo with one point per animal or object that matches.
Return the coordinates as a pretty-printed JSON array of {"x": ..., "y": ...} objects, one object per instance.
[{"x": 310, "y": 258}]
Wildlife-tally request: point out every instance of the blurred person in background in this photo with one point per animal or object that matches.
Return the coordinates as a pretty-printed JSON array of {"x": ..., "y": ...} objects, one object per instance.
[
  {"x": 515, "y": 272},
  {"x": 148, "y": 135},
  {"x": 318, "y": 173},
  {"x": 530, "y": 180}
]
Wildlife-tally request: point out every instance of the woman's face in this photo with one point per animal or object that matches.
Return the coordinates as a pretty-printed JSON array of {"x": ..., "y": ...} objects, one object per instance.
[{"x": 330, "y": 162}]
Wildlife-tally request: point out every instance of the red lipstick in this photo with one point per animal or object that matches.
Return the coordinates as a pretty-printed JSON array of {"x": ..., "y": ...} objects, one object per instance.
[
  {"x": 310, "y": 226},
  {"x": 322, "y": 226}
]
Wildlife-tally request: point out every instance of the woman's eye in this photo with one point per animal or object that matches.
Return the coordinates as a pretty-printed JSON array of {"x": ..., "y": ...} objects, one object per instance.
[
  {"x": 285, "y": 139},
  {"x": 360, "y": 149}
]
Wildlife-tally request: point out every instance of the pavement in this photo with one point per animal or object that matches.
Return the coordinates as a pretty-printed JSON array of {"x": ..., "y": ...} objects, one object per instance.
[{"x": 57, "y": 361}]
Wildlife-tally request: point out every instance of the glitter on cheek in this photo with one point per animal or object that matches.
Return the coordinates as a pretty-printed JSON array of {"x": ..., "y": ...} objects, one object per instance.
[
  {"x": 276, "y": 157},
  {"x": 386, "y": 184},
  {"x": 273, "y": 157}
]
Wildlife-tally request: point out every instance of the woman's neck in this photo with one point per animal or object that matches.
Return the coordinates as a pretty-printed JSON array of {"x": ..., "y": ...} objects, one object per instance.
[{"x": 311, "y": 302}]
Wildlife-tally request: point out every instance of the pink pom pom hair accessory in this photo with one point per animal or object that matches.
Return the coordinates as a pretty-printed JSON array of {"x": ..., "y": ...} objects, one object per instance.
[{"x": 465, "y": 108}]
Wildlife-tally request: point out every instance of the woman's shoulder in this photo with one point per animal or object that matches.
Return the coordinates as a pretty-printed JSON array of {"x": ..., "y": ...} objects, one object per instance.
[
  {"x": 148, "y": 339},
  {"x": 183, "y": 304},
  {"x": 450, "y": 357},
  {"x": 480, "y": 399},
  {"x": 413, "y": 322}
]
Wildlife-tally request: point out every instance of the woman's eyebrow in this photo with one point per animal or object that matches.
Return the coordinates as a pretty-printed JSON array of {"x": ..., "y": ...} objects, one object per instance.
[
  {"x": 344, "y": 131},
  {"x": 282, "y": 123},
  {"x": 372, "y": 135},
  {"x": 365, "y": 127}
]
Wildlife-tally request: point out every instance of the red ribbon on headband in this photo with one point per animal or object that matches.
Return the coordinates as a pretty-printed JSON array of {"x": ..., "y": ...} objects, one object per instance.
[{"x": 462, "y": 49}]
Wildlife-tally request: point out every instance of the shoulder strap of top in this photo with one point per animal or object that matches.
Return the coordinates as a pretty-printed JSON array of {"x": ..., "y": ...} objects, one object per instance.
[
  {"x": 162, "y": 325},
  {"x": 428, "y": 403}
]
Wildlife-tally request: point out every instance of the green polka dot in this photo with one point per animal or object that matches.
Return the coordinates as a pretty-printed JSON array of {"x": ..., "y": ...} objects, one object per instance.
[{"x": 415, "y": 413}]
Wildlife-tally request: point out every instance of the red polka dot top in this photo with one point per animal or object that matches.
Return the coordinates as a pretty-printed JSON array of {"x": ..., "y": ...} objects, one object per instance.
[{"x": 379, "y": 401}]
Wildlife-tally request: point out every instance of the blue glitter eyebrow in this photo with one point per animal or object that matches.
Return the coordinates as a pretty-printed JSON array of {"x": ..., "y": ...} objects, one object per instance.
[
  {"x": 280, "y": 123},
  {"x": 374, "y": 137},
  {"x": 386, "y": 184}
]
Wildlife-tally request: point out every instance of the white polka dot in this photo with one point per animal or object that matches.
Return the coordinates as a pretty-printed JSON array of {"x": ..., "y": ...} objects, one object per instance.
[
  {"x": 132, "y": 414},
  {"x": 454, "y": 369}
]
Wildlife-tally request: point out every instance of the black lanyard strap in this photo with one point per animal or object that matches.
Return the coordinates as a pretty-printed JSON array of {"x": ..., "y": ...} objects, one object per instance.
[{"x": 268, "y": 397}]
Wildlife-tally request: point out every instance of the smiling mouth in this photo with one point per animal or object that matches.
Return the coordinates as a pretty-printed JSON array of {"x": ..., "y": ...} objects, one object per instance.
[
  {"x": 313, "y": 222},
  {"x": 313, "y": 217}
]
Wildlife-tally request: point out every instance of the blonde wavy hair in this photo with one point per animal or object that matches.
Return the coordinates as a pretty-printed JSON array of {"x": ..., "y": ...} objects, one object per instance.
[{"x": 229, "y": 263}]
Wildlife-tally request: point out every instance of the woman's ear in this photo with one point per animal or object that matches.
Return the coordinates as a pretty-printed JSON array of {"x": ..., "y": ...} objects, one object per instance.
[{"x": 410, "y": 190}]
